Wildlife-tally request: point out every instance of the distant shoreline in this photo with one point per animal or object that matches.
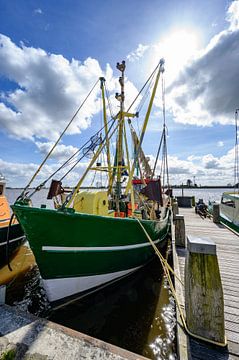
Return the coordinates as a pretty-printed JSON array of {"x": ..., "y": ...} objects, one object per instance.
[
  {"x": 173, "y": 187},
  {"x": 202, "y": 187}
]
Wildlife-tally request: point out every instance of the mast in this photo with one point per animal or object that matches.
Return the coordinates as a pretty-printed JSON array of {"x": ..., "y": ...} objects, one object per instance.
[
  {"x": 160, "y": 71},
  {"x": 102, "y": 86},
  {"x": 119, "y": 149}
]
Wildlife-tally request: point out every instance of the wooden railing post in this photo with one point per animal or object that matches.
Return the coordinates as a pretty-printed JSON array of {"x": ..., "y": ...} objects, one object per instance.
[
  {"x": 174, "y": 208},
  {"x": 204, "y": 302},
  {"x": 179, "y": 231},
  {"x": 216, "y": 213}
]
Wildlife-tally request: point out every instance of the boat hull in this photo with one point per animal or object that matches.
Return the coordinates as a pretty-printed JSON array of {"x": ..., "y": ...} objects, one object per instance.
[
  {"x": 229, "y": 210},
  {"x": 16, "y": 239},
  {"x": 88, "y": 250},
  {"x": 230, "y": 224}
]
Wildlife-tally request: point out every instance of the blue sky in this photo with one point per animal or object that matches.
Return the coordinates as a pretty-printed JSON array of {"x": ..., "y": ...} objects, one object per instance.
[{"x": 51, "y": 52}]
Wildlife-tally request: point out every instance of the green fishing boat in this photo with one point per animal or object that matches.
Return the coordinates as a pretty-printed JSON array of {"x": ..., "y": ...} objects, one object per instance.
[{"x": 95, "y": 236}]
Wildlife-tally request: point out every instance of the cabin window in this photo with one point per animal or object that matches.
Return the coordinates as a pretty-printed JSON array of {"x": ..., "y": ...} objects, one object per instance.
[
  {"x": 1, "y": 189},
  {"x": 228, "y": 202}
]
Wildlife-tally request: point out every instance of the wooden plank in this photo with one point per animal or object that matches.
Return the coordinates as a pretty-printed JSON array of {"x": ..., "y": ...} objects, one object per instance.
[
  {"x": 231, "y": 292},
  {"x": 233, "y": 327},
  {"x": 228, "y": 257},
  {"x": 231, "y": 310},
  {"x": 233, "y": 318},
  {"x": 233, "y": 348},
  {"x": 233, "y": 337},
  {"x": 230, "y": 303}
]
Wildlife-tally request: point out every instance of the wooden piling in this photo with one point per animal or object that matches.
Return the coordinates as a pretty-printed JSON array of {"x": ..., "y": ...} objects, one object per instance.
[
  {"x": 174, "y": 208},
  {"x": 204, "y": 302},
  {"x": 179, "y": 230},
  {"x": 216, "y": 213}
]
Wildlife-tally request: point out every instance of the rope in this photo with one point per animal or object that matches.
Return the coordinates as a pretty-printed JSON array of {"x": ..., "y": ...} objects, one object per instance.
[
  {"x": 68, "y": 162},
  {"x": 88, "y": 150},
  {"x": 53, "y": 147},
  {"x": 167, "y": 268},
  {"x": 146, "y": 94},
  {"x": 20, "y": 267},
  {"x": 163, "y": 144},
  {"x": 162, "y": 259},
  {"x": 152, "y": 74},
  {"x": 101, "y": 147}
]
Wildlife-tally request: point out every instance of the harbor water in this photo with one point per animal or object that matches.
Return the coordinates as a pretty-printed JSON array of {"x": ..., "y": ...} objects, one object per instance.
[
  {"x": 136, "y": 313},
  {"x": 199, "y": 193}
]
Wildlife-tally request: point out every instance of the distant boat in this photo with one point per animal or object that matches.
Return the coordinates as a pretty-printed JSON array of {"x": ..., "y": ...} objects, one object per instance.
[
  {"x": 11, "y": 237},
  {"x": 229, "y": 207},
  {"x": 94, "y": 237},
  {"x": 229, "y": 210}
]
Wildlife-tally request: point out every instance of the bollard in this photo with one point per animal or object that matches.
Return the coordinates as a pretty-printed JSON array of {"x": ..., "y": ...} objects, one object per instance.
[
  {"x": 216, "y": 213},
  {"x": 2, "y": 294},
  {"x": 179, "y": 231},
  {"x": 204, "y": 302},
  {"x": 193, "y": 201},
  {"x": 175, "y": 208}
]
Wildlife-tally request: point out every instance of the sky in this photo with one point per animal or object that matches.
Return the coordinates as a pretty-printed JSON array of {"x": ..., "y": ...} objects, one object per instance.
[{"x": 52, "y": 52}]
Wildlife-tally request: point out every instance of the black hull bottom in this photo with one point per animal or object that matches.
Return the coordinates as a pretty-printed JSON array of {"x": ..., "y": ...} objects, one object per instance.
[{"x": 15, "y": 239}]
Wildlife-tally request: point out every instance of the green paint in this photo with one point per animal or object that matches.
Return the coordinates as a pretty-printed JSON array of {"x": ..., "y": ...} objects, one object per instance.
[
  {"x": 46, "y": 227},
  {"x": 229, "y": 224}
]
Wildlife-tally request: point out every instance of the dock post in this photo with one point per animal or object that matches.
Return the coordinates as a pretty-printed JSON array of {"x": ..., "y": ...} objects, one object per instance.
[
  {"x": 179, "y": 230},
  {"x": 174, "y": 208},
  {"x": 216, "y": 213},
  {"x": 2, "y": 294},
  {"x": 204, "y": 302}
]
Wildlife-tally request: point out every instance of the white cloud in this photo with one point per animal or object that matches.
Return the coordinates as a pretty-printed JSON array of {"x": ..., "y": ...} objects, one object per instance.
[
  {"x": 50, "y": 89},
  {"x": 202, "y": 87},
  {"x": 207, "y": 169},
  {"x": 38, "y": 11},
  {"x": 220, "y": 143},
  {"x": 233, "y": 15},
  {"x": 61, "y": 152},
  {"x": 206, "y": 91},
  {"x": 19, "y": 174},
  {"x": 138, "y": 53}
]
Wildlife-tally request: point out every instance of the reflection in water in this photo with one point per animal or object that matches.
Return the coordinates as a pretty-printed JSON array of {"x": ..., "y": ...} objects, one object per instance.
[{"x": 136, "y": 313}]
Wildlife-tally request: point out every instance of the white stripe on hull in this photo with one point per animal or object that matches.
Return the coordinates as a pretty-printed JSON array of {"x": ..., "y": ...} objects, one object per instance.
[
  {"x": 97, "y": 248},
  {"x": 57, "y": 289}
]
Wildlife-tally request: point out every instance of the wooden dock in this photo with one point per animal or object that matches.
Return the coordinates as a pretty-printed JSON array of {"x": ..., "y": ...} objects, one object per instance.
[{"x": 228, "y": 257}]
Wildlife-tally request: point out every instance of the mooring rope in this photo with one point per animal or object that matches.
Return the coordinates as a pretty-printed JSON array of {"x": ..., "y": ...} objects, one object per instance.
[
  {"x": 61, "y": 135},
  {"x": 167, "y": 268}
]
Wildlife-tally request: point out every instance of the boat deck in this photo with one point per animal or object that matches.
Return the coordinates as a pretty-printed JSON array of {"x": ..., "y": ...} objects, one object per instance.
[{"x": 227, "y": 244}]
